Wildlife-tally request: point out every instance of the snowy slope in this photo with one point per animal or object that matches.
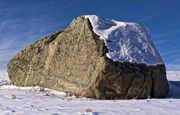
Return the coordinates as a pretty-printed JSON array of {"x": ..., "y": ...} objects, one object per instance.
[
  {"x": 35, "y": 101},
  {"x": 126, "y": 42},
  {"x": 3, "y": 78},
  {"x": 174, "y": 83}
]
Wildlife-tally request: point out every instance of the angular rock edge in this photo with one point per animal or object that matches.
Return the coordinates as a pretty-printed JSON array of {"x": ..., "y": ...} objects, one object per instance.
[{"x": 74, "y": 61}]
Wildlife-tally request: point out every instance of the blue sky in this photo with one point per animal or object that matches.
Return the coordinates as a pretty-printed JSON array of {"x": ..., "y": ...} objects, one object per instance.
[{"x": 24, "y": 21}]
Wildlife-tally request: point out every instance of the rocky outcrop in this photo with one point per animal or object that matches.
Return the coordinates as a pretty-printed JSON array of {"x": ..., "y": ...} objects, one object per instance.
[{"x": 74, "y": 61}]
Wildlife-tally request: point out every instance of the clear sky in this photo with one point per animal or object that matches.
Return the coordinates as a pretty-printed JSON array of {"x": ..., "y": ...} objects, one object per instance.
[{"x": 24, "y": 21}]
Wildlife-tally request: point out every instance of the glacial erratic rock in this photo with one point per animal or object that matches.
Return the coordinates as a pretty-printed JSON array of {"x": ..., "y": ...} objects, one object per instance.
[{"x": 79, "y": 60}]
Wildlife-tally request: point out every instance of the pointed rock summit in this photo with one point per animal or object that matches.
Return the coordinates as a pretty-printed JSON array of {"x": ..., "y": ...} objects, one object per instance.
[{"x": 94, "y": 57}]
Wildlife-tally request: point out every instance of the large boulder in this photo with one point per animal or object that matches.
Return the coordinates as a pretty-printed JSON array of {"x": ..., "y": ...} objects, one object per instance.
[{"x": 76, "y": 61}]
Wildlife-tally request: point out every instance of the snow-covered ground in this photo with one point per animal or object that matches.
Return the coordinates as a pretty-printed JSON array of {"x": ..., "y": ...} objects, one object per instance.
[
  {"x": 4, "y": 79},
  {"x": 38, "y": 101}
]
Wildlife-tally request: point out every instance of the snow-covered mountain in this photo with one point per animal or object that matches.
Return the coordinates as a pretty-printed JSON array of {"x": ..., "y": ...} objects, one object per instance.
[
  {"x": 4, "y": 79},
  {"x": 126, "y": 42},
  {"x": 34, "y": 100}
]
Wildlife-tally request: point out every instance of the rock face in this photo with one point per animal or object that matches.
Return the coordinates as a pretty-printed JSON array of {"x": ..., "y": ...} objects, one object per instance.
[{"x": 75, "y": 61}]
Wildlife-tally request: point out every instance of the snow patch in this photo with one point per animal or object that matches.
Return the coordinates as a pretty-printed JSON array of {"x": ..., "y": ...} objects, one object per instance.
[
  {"x": 126, "y": 42},
  {"x": 4, "y": 78}
]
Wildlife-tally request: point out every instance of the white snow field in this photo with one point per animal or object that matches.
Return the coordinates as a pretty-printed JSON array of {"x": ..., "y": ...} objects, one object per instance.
[
  {"x": 38, "y": 101},
  {"x": 125, "y": 41},
  {"x": 4, "y": 79}
]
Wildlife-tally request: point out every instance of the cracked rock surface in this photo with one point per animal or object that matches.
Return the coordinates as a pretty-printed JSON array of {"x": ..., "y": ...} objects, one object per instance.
[{"x": 74, "y": 61}]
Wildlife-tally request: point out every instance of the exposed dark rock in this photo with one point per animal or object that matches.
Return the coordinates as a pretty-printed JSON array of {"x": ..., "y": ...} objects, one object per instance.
[{"x": 74, "y": 61}]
